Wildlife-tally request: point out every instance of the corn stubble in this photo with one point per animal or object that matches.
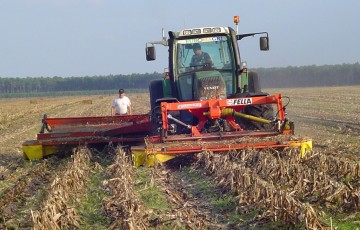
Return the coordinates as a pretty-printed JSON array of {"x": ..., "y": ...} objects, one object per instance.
[
  {"x": 184, "y": 213},
  {"x": 285, "y": 188},
  {"x": 127, "y": 211},
  {"x": 56, "y": 211},
  {"x": 290, "y": 190},
  {"x": 123, "y": 205}
]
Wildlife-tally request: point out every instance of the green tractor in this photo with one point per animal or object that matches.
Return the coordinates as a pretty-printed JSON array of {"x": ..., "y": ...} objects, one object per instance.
[{"x": 205, "y": 63}]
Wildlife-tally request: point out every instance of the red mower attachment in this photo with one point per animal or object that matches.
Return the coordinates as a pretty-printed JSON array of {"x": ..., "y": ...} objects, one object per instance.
[
  {"x": 74, "y": 131},
  {"x": 168, "y": 144},
  {"x": 219, "y": 127}
]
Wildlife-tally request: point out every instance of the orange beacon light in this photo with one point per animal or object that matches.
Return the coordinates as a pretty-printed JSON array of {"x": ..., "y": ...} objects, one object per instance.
[{"x": 236, "y": 19}]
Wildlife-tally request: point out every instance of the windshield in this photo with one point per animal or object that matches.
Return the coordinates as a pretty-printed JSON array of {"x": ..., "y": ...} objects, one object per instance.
[
  {"x": 212, "y": 52},
  {"x": 200, "y": 58}
]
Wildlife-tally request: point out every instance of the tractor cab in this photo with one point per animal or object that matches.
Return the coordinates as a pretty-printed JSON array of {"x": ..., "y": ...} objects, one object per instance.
[
  {"x": 204, "y": 66},
  {"x": 204, "y": 63}
]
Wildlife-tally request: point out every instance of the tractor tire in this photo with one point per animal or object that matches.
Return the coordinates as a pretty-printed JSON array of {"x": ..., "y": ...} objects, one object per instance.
[
  {"x": 254, "y": 83},
  {"x": 263, "y": 111},
  {"x": 156, "y": 92}
]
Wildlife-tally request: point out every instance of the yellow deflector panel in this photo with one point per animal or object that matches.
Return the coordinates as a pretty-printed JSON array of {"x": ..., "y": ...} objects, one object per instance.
[
  {"x": 144, "y": 157},
  {"x": 32, "y": 152}
]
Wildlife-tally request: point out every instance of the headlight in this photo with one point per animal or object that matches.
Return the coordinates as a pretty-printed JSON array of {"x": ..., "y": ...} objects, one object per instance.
[
  {"x": 187, "y": 32},
  {"x": 196, "y": 31},
  {"x": 216, "y": 30},
  {"x": 207, "y": 30}
]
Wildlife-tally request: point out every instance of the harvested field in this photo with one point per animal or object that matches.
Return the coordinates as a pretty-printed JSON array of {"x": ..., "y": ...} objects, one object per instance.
[{"x": 87, "y": 188}]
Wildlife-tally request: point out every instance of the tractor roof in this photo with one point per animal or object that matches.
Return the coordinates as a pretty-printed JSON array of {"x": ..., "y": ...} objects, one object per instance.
[{"x": 202, "y": 31}]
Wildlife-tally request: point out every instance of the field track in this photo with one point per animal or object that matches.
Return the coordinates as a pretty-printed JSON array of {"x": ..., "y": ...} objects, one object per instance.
[{"x": 88, "y": 188}]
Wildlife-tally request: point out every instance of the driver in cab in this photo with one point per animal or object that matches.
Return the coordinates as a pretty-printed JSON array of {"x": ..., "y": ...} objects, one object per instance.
[{"x": 200, "y": 59}]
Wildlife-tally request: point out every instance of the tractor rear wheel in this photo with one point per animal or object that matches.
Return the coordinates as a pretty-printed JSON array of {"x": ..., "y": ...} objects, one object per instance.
[
  {"x": 263, "y": 111},
  {"x": 254, "y": 83},
  {"x": 156, "y": 92}
]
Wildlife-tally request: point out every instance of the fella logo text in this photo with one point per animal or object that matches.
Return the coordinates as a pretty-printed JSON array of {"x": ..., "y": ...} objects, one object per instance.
[{"x": 239, "y": 101}]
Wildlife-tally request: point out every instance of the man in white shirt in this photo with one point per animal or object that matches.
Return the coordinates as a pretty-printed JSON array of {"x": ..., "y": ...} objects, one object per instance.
[{"x": 121, "y": 105}]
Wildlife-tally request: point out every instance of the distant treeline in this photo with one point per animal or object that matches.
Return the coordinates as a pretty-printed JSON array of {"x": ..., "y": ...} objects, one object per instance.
[
  {"x": 310, "y": 76},
  {"x": 61, "y": 84},
  {"x": 304, "y": 76}
]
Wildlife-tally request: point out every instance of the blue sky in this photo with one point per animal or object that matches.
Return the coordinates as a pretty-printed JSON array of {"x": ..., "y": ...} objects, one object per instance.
[{"x": 100, "y": 37}]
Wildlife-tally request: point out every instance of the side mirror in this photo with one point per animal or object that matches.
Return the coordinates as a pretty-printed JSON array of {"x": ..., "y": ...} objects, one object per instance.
[
  {"x": 150, "y": 53},
  {"x": 264, "y": 43}
]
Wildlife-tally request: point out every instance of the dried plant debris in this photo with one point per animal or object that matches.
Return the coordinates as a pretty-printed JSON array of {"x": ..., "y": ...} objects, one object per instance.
[
  {"x": 20, "y": 193},
  {"x": 184, "y": 211},
  {"x": 57, "y": 212},
  {"x": 287, "y": 188},
  {"x": 123, "y": 205}
]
